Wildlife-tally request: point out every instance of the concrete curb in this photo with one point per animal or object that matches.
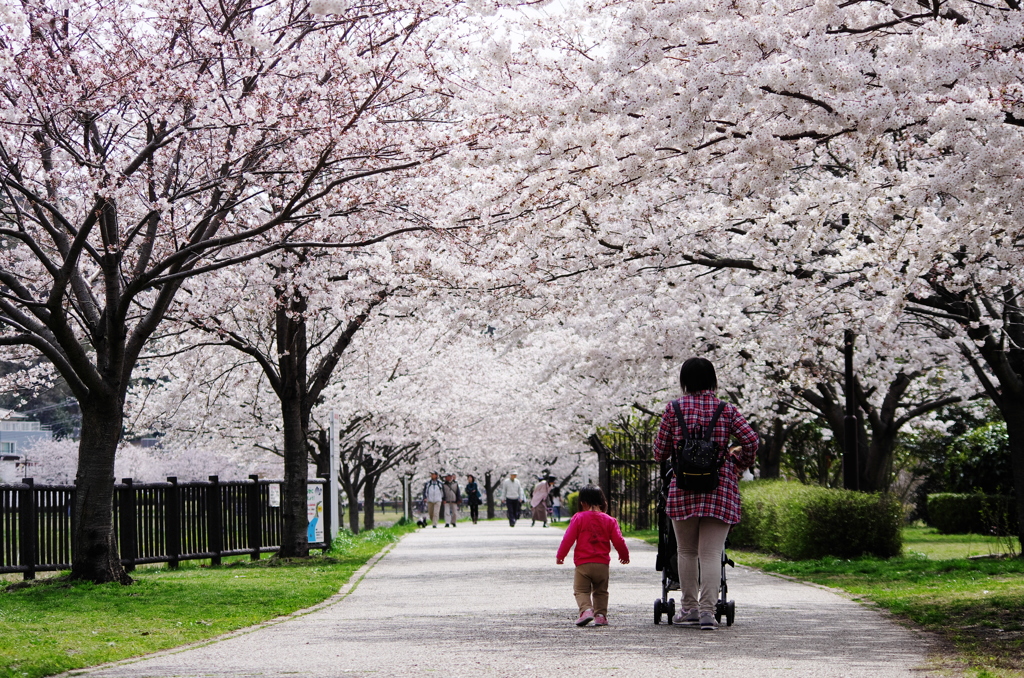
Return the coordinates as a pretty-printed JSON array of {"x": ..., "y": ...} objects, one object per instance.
[{"x": 342, "y": 593}]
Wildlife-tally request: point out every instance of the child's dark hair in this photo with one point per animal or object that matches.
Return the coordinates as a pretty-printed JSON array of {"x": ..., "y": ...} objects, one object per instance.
[{"x": 593, "y": 496}]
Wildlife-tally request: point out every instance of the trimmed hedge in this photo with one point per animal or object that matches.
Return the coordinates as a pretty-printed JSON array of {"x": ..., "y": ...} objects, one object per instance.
[
  {"x": 572, "y": 503},
  {"x": 808, "y": 521},
  {"x": 979, "y": 513}
]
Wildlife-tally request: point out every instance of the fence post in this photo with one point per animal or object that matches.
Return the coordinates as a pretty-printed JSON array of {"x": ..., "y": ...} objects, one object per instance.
[
  {"x": 127, "y": 508},
  {"x": 29, "y": 528},
  {"x": 407, "y": 498},
  {"x": 214, "y": 520},
  {"x": 253, "y": 517},
  {"x": 172, "y": 520}
]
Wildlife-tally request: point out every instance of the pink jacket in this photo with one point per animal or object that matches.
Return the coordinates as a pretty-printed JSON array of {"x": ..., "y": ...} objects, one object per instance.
[{"x": 594, "y": 533}]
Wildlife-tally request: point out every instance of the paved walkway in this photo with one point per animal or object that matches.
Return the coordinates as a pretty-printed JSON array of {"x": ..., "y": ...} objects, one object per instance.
[{"x": 487, "y": 600}]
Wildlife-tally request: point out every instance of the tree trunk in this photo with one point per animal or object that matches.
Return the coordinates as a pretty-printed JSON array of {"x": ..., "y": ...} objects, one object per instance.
[
  {"x": 827, "y": 402},
  {"x": 350, "y": 473},
  {"x": 96, "y": 558},
  {"x": 291, "y": 359},
  {"x": 294, "y": 530},
  {"x": 369, "y": 497},
  {"x": 489, "y": 491},
  {"x": 878, "y": 468},
  {"x": 353, "y": 515},
  {"x": 769, "y": 453},
  {"x": 1013, "y": 414}
]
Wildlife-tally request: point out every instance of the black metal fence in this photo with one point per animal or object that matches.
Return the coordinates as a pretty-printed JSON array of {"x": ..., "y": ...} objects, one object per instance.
[
  {"x": 164, "y": 522},
  {"x": 633, "y": 487},
  {"x": 629, "y": 474}
]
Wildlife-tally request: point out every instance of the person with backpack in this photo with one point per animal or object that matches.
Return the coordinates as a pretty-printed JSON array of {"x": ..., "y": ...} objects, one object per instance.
[
  {"x": 704, "y": 495},
  {"x": 433, "y": 496}
]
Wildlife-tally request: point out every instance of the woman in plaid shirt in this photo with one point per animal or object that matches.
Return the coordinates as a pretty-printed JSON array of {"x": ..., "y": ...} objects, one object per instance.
[{"x": 702, "y": 520}]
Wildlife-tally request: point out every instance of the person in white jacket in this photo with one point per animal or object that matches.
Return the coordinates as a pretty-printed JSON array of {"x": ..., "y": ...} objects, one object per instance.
[
  {"x": 433, "y": 495},
  {"x": 512, "y": 492}
]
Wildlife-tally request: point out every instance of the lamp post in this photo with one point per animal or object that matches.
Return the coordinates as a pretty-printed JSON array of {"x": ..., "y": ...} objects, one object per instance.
[{"x": 851, "y": 461}]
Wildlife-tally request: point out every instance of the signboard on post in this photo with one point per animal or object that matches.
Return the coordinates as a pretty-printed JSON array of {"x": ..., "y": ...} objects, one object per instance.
[{"x": 315, "y": 513}]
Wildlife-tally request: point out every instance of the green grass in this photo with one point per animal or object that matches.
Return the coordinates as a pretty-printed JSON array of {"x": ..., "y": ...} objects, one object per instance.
[
  {"x": 55, "y": 625},
  {"x": 928, "y": 542},
  {"x": 975, "y": 606}
]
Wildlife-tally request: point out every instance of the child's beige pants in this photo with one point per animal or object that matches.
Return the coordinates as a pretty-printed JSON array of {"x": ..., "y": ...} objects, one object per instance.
[{"x": 590, "y": 585}]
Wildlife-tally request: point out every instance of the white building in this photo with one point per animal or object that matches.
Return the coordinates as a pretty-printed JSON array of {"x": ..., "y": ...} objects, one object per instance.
[{"x": 17, "y": 432}]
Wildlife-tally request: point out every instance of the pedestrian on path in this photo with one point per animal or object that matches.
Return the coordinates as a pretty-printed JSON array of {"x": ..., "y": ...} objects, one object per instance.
[
  {"x": 452, "y": 498},
  {"x": 511, "y": 490},
  {"x": 556, "y": 505},
  {"x": 594, "y": 532},
  {"x": 701, "y": 520},
  {"x": 433, "y": 495},
  {"x": 539, "y": 501},
  {"x": 473, "y": 497}
]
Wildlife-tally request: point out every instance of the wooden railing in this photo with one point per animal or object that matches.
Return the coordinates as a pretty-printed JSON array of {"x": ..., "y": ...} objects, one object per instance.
[{"x": 164, "y": 522}]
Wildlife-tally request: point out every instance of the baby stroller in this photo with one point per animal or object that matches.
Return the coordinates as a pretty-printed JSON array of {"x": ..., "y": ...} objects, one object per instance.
[{"x": 667, "y": 564}]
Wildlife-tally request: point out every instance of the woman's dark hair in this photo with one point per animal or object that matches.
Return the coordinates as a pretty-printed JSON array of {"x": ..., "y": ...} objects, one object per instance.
[
  {"x": 471, "y": 477},
  {"x": 593, "y": 496},
  {"x": 698, "y": 374}
]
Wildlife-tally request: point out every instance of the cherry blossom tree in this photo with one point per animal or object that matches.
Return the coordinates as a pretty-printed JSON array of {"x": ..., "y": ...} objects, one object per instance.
[
  {"x": 847, "y": 163},
  {"x": 143, "y": 144}
]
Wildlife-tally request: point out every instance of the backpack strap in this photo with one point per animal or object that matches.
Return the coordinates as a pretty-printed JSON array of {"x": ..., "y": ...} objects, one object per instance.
[
  {"x": 679, "y": 418},
  {"x": 711, "y": 426},
  {"x": 714, "y": 420}
]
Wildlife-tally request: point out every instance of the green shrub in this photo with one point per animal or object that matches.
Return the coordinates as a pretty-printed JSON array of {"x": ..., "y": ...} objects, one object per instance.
[
  {"x": 808, "y": 521},
  {"x": 980, "y": 461},
  {"x": 979, "y": 513},
  {"x": 572, "y": 503}
]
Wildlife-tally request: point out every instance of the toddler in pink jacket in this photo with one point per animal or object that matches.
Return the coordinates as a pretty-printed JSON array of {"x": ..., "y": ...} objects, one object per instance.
[{"x": 594, "y": 533}]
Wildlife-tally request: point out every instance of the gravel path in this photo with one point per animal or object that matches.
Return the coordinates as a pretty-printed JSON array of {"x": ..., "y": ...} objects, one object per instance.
[{"x": 487, "y": 600}]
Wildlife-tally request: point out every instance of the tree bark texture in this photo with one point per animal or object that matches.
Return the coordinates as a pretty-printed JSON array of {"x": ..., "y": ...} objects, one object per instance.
[
  {"x": 291, "y": 363},
  {"x": 369, "y": 498},
  {"x": 769, "y": 452},
  {"x": 489, "y": 488},
  {"x": 96, "y": 557}
]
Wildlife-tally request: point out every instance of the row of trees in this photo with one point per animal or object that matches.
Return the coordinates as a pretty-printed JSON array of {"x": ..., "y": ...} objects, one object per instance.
[{"x": 477, "y": 231}]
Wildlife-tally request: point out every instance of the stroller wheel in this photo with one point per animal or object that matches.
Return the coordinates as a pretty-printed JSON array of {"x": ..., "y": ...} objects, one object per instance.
[
  {"x": 730, "y": 612},
  {"x": 658, "y": 610},
  {"x": 670, "y": 610}
]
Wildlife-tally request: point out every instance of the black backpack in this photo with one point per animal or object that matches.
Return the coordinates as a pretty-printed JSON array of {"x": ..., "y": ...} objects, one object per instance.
[{"x": 696, "y": 461}]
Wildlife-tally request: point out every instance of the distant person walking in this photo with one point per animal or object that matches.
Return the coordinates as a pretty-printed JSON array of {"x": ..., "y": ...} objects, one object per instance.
[
  {"x": 511, "y": 490},
  {"x": 701, "y": 520},
  {"x": 473, "y": 498},
  {"x": 556, "y": 504},
  {"x": 452, "y": 498},
  {"x": 433, "y": 495},
  {"x": 594, "y": 532},
  {"x": 539, "y": 501}
]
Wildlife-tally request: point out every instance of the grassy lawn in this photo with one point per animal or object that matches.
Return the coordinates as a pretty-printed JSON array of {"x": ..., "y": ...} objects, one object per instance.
[
  {"x": 54, "y": 625},
  {"x": 976, "y": 606}
]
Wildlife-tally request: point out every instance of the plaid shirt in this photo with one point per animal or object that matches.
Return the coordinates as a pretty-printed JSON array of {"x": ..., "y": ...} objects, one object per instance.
[{"x": 698, "y": 409}]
